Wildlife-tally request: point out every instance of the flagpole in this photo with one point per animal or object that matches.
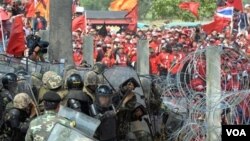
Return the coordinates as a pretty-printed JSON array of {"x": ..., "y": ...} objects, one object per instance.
[
  {"x": 232, "y": 25},
  {"x": 3, "y": 40},
  {"x": 85, "y": 21}
]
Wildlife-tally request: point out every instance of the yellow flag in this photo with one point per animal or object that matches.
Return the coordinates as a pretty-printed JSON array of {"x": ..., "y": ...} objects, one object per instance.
[{"x": 123, "y": 5}]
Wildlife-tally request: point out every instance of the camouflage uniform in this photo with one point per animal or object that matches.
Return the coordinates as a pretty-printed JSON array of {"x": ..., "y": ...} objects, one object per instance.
[
  {"x": 40, "y": 128},
  {"x": 51, "y": 81},
  {"x": 16, "y": 119}
]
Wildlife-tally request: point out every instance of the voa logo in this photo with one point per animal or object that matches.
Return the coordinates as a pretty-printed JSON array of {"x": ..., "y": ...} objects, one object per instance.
[{"x": 236, "y": 132}]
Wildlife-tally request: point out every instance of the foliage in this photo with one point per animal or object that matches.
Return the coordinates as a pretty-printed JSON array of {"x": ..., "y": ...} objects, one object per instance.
[{"x": 168, "y": 9}]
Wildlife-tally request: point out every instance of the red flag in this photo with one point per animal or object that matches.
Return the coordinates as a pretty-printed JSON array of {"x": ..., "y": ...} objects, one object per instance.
[
  {"x": 30, "y": 9},
  {"x": 16, "y": 45},
  {"x": 4, "y": 14},
  {"x": 237, "y": 4},
  {"x": 133, "y": 15},
  {"x": 218, "y": 25},
  {"x": 79, "y": 22},
  {"x": 193, "y": 7}
]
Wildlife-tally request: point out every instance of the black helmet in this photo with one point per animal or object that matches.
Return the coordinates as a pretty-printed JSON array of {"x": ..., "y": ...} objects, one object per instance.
[
  {"x": 10, "y": 79},
  {"x": 103, "y": 90},
  {"x": 103, "y": 96},
  {"x": 75, "y": 81},
  {"x": 99, "y": 67}
]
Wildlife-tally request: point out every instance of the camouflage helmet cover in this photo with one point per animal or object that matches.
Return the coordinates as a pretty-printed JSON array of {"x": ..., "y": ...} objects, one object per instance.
[
  {"x": 47, "y": 75},
  {"x": 99, "y": 67},
  {"x": 91, "y": 79},
  {"x": 37, "y": 75},
  {"x": 54, "y": 82},
  {"x": 22, "y": 101}
]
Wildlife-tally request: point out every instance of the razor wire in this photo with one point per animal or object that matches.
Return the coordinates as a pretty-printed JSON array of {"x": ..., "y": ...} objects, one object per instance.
[{"x": 190, "y": 103}]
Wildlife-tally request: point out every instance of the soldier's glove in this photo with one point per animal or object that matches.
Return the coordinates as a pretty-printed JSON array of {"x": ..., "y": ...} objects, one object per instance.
[{"x": 108, "y": 114}]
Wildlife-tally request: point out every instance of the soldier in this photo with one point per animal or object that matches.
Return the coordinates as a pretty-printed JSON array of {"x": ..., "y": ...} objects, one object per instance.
[
  {"x": 90, "y": 84},
  {"x": 125, "y": 102},
  {"x": 40, "y": 127},
  {"x": 8, "y": 91},
  {"x": 44, "y": 88},
  {"x": 76, "y": 99},
  {"x": 52, "y": 81},
  {"x": 17, "y": 118},
  {"x": 103, "y": 110},
  {"x": 126, "y": 89}
]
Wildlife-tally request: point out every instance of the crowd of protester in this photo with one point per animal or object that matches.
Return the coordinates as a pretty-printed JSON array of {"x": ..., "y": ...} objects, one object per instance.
[{"x": 167, "y": 47}]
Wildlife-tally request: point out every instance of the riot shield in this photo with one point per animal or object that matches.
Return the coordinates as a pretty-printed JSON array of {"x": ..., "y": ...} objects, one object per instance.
[
  {"x": 3, "y": 70},
  {"x": 84, "y": 123},
  {"x": 16, "y": 63},
  {"x": 83, "y": 71},
  {"x": 63, "y": 133},
  {"x": 119, "y": 74},
  {"x": 56, "y": 67},
  {"x": 116, "y": 75}
]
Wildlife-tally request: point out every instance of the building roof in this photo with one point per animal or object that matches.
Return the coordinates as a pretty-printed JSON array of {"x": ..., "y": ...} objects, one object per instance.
[{"x": 106, "y": 14}]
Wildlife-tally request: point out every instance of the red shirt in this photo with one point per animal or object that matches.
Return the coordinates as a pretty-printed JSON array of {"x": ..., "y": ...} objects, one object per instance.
[
  {"x": 109, "y": 62},
  {"x": 165, "y": 60},
  {"x": 77, "y": 58},
  {"x": 155, "y": 45},
  {"x": 128, "y": 47},
  {"x": 197, "y": 84},
  {"x": 153, "y": 63},
  {"x": 201, "y": 67},
  {"x": 178, "y": 64}
]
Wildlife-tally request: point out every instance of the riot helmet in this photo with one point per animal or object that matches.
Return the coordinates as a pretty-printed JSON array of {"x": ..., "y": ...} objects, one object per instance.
[
  {"x": 99, "y": 67},
  {"x": 129, "y": 85},
  {"x": 47, "y": 75},
  {"x": 9, "y": 81},
  {"x": 91, "y": 81},
  {"x": 75, "y": 82},
  {"x": 54, "y": 82},
  {"x": 104, "y": 96},
  {"x": 22, "y": 101}
]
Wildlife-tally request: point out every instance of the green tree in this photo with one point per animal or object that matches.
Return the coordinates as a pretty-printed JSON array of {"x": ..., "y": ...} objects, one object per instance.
[
  {"x": 95, "y": 4},
  {"x": 168, "y": 9}
]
